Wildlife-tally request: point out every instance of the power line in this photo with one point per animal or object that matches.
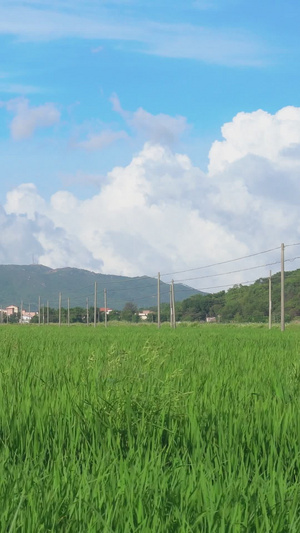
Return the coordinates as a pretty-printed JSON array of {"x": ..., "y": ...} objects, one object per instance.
[
  {"x": 226, "y": 273},
  {"x": 233, "y": 272},
  {"x": 125, "y": 279},
  {"x": 295, "y": 244},
  {"x": 242, "y": 283},
  {"x": 292, "y": 259},
  {"x": 112, "y": 291},
  {"x": 222, "y": 262}
]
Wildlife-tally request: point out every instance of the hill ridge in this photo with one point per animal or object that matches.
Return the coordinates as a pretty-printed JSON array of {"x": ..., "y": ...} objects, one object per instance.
[{"x": 27, "y": 283}]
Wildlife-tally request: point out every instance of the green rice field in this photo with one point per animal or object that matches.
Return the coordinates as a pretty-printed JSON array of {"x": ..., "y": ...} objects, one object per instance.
[{"x": 132, "y": 429}]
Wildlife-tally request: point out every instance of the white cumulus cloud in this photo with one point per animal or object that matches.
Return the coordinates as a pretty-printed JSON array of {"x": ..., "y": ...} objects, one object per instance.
[
  {"x": 24, "y": 200},
  {"x": 162, "y": 213},
  {"x": 258, "y": 133}
]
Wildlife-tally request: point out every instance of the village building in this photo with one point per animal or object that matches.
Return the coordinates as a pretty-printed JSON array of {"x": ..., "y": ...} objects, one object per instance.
[
  {"x": 145, "y": 314},
  {"x": 103, "y": 310},
  {"x": 27, "y": 316},
  {"x": 211, "y": 319},
  {"x": 11, "y": 310}
]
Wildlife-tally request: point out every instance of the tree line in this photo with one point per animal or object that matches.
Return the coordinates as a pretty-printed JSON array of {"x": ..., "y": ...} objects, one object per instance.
[{"x": 241, "y": 303}]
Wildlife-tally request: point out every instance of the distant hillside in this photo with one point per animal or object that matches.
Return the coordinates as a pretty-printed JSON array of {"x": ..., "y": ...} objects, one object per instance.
[
  {"x": 245, "y": 303},
  {"x": 27, "y": 282}
]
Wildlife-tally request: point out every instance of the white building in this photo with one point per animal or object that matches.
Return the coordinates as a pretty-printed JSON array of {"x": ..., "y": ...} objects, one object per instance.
[{"x": 145, "y": 314}]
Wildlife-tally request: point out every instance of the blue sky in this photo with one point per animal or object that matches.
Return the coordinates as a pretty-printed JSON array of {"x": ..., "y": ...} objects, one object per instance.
[{"x": 88, "y": 87}]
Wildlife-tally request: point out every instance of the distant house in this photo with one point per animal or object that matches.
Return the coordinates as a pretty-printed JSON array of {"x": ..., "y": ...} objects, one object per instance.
[
  {"x": 27, "y": 316},
  {"x": 211, "y": 319},
  {"x": 11, "y": 310},
  {"x": 103, "y": 310},
  {"x": 145, "y": 314}
]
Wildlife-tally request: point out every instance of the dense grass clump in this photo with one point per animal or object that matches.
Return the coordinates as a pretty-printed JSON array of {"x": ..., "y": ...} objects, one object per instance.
[{"x": 131, "y": 429}]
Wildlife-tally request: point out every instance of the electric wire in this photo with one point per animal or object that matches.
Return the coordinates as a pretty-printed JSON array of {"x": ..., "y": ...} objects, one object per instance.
[
  {"x": 221, "y": 262},
  {"x": 227, "y": 273}
]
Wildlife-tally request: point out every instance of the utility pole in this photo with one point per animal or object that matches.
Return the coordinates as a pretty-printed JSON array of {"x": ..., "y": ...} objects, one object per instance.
[
  {"x": 39, "y": 310},
  {"x": 68, "y": 311},
  {"x": 158, "y": 300},
  {"x": 173, "y": 306},
  {"x": 282, "y": 288},
  {"x": 43, "y": 313},
  {"x": 21, "y": 317},
  {"x": 270, "y": 300},
  {"x": 95, "y": 304},
  {"x": 48, "y": 312},
  {"x": 59, "y": 308},
  {"x": 105, "y": 308},
  {"x": 87, "y": 311}
]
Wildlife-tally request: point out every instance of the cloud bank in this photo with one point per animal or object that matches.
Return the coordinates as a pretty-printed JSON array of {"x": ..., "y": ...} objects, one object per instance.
[{"x": 162, "y": 213}]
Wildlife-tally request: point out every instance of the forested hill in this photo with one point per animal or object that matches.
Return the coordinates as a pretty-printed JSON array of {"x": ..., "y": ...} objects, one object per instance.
[
  {"x": 27, "y": 283},
  {"x": 245, "y": 303}
]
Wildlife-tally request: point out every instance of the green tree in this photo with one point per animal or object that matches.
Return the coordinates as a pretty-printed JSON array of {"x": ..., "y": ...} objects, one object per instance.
[
  {"x": 14, "y": 318},
  {"x": 129, "y": 312},
  {"x": 114, "y": 315}
]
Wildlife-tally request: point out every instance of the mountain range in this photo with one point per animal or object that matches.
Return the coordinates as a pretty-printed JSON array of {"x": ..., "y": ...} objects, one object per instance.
[{"x": 28, "y": 283}]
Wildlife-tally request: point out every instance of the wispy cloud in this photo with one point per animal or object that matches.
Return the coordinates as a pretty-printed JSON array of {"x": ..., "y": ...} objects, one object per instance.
[
  {"x": 204, "y": 4},
  {"x": 97, "y": 50},
  {"x": 102, "y": 140},
  {"x": 27, "y": 119},
  {"x": 141, "y": 125},
  {"x": 160, "y": 128},
  {"x": 9, "y": 86},
  {"x": 18, "y": 88},
  {"x": 37, "y": 21}
]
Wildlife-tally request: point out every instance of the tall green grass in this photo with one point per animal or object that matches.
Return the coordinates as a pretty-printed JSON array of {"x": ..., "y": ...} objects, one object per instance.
[{"x": 131, "y": 429}]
